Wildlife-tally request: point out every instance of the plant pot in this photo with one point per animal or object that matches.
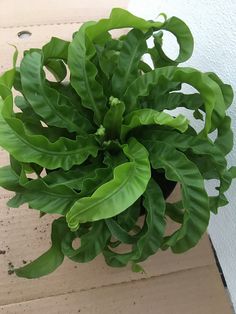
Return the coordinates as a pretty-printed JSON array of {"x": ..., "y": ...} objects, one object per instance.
[{"x": 167, "y": 186}]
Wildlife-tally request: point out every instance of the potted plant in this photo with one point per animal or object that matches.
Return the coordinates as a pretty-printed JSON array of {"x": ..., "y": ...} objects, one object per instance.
[{"x": 98, "y": 145}]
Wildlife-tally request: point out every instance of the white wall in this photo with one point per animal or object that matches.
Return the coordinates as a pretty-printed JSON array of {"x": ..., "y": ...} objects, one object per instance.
[{"x": 213, "y": 24}]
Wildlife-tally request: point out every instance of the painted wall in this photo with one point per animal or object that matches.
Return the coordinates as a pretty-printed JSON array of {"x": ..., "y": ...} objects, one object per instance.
[{"x": 213, "y": 24}]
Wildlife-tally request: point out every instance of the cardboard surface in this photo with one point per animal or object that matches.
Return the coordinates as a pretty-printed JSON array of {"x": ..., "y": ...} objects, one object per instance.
[
  {"x": 188, "y": 283},
  {"x": 194, "y": 291},
  {"x": 25, "y": 13}
]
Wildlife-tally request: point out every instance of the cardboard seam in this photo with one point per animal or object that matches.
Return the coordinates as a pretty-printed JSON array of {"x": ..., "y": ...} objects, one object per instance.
[
  {"x": 39, "y": 25},
  {"x": 112, "y": 284}
]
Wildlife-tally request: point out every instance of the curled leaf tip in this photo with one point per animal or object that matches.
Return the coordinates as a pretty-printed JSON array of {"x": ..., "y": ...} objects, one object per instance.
[
  {"x": 73, "y": 225},
  {"x": 161, "y": 15}
]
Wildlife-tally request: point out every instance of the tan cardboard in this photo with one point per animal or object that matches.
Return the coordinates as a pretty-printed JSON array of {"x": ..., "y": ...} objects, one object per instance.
[
  {"x": 188, "y": 283},
  {"x": 194, "y": 291},
  {"x": 50, "y": 12}
]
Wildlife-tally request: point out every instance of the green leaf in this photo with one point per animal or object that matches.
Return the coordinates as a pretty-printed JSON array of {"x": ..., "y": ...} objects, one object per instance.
[
  {"x": 134, "y": 46},
  {"x": 84, "y": 72},
  {"x": 82, "y": 50},
  {"x": 225, "y": 136},
  {"x": 25, "y": 107},
  {"x": 55, "y": 192},
  {"x": 151, "y": 241},
  {"x": 57, "y": 68},
  {"x": 198, "y": 115},
  {"x": 7, "y": 78},
  {"x": 32, "y": 121},
  {"x": 151, "y": 235},
  {"x": 214, "y": 155},
  {"x": 120, "y": 18},
  {"x": 226, "y": 89},
  {"x": 119, "y": 233},
  {"x": 48, "y": 199},
  {"x": 113, "y": 118},
  {"x": 56, "y": 48},
  {"x": 185, "y": 142},
  {"x": 184, "y": 38},
  {"x": 107, "y": 58},
  {"x": 136, "y": 268},
  {"x": 221, "y": 200},
  {"x": 50, "y": 260},
  {"x": 149, "y": 116},
  {"x": 175, "y": 100},
  {"x": 92, "y": 243},
  {"x": 54, "y": 108},
  {"x": 175, "y": 211},
  {"x": 232, "y": 172},
  {"x": 208, "y": 89},
  {"x": 128, "y": 218},
  {"x": 86, "y": 179},
  {"x": 110, "y": 199},
  {"x": 25, "y": 147},
  {"x": 144, "y": 67},
  {"x": 9, "y": 179},
  {"x": 195, "y": 200}
]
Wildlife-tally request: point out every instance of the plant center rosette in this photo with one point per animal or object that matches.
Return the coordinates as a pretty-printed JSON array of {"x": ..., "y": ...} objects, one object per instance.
[{"x": 98, "y": 143}]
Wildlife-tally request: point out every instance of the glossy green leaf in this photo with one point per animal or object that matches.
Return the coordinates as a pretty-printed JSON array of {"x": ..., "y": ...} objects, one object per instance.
[
  {"x": 150, "y": 237},
  {"x": 83, "y": 74},
  {"x": 55, "y": 53},
  {"x": 195, "y": 200},
  {"x": 175, "y": 211},
  {"x": 25, "y": 147},
  {"x": 120, "y": 18},
  {"x": 225, "y": 136},
  {"x": 84, "y": 179},
  {"x": 128, "y": 218},
  {"x": 119, "y": 233},
  {"x": 92, "y": 243},
  {"x": 55, "y": 109},
  {"x": 175, "y": 100},
  {"x": 49, "y": 261},
  {"x": 134, "y": 46},
  {"x": 57, "y": 192},
  {"x": 151, "y": 241},
  {"x": 185, "y": 142},
  {"x": 226, "y": 89},
  {"x": 7, "y": 78},
  {"x": 9, "y": 179},
  {"x": 113, "y": 118},
  {"x": 56, "y": 48},
  {"x": 136, "y": 268},
  {"x": 184, "y": 38},
  {"x": 129, "y": 182},
  {"x": 208, "y": 89},
  {"x": 57, "y": 68},
  {"x": 48, "y": 199},
  {"x": 108, "y": 55},
  {"x": 148, "y": 117}
]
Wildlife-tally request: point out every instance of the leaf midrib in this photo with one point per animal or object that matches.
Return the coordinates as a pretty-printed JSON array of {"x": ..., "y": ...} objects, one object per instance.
[
  {"x": 127, "y": 73},
  {"x": 54, "y": 194},
  {"x": 53, "y": 109},
  {"x": 131, "y": 170},
  {"x": 96, "y": 111},
  {"x": 49, "y": 152}
]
